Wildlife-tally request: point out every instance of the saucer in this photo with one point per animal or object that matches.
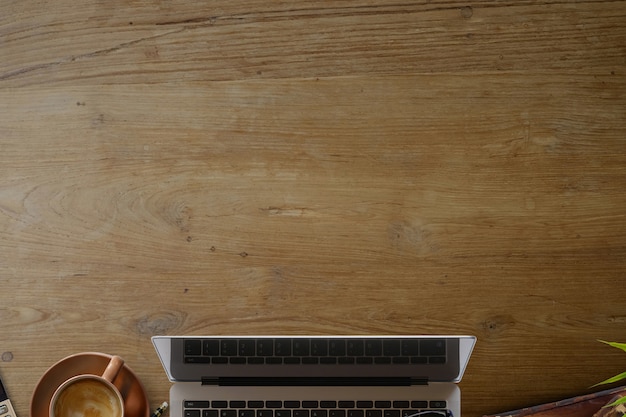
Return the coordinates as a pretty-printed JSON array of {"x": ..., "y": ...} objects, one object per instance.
[{"x": 135, "y": 399}]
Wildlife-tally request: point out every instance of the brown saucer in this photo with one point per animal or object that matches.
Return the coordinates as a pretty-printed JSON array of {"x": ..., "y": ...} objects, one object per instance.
[{"x": 135, "y": 399}]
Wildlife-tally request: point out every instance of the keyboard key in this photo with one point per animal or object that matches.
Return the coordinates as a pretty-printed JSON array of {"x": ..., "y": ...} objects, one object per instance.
[
  {"x": 438, "y": 360},
  {"x": 256, "y": 404},
  {"x": 301, "y": 347},
  {"x": 336, "y": 347},
  {"x": 328, "y": 360},
  {"x": 210, "y": 347},
  {"x": 391, "y": 347},
  {"x": 196, "y": 404},
  {"x": 319, "y": 413},
  {"x": 193, "y": 347},
  {"x": 237, "y": 404},
  {"x": 197, "y": 359},
  {"x": 433, "y": 347},
  {"x": 228, "y": 413},
  {"x": 373, "y": 413},
  {"x": 247, "y": 413},
  {"x": 328, "y": 404},
  {"x": 383, "y": 360},
  {"x": 219, "y": 404},
  {"x": 355, "y": 347},
  {"x": 401, "y": 360},
  {"x": 282, "y": 347},
  {"x": 272, "y": 360},
  {"x": 438, "y": 404},
  {"x": 264, "y": 413},
  {"x": 237, "y": 360},
  {"x": 364, "y": 360},
  {"x": 312, "y": 404},
  {"x": 382, "y": 404},
  {"x": 291, "y": 404},
  {"x": 356, "y": 413},
  {"x": 192, "y": 413},
  {"x": 265, "y": 347},
  {"x": 419, "y": 404},
  {"x": 409, "y": 347},
  {"x": 256, "y": 361},
  {"x": 319, "y": 347},
  {"x": 310, "y": 361},
  {"x": 228, "y": 347},
  {"x": 210, "y": 413},
  {"x": 345, "y": 360},
  {"x": 291, "y": 360},
  {"x": 400, "y": 404},
  {"x": 301, "y": 413},
  {"x": 282, "y": 413},
  {"x": 274, "y": 404},
  {"x": 247, "y": 347},
  {"x": 373, "y": 347},
  {"x": 364, "y": 404},
  {"x": 336, "y": 413},
  {"x": 346, "y": 404},
  {"x": 391, "y": 413}
]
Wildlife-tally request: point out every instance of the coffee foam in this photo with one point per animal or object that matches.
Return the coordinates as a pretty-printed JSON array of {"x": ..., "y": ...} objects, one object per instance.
[{"x": 87, "y": 398}]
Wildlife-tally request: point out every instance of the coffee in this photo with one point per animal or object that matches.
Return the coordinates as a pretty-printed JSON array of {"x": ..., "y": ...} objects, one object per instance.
[{"x": 88, "y": 397}]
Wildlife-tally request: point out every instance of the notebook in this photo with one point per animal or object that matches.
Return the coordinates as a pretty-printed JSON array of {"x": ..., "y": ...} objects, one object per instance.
[{"x": 314, "y": 376}]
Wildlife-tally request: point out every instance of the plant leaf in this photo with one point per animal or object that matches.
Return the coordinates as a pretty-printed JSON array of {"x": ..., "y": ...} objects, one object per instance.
[
  {"x": 621, "y": 346},
  {"x": 616, "y": 402},
  {"x": 612, "y": 379}
]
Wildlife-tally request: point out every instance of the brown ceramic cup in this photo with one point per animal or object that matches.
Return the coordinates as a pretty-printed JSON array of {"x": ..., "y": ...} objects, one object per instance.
[{"x": 90, "y": 395}]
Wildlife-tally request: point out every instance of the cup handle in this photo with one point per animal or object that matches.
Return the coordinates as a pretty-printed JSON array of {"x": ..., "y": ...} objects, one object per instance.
[{"x": 113, "y": 368}]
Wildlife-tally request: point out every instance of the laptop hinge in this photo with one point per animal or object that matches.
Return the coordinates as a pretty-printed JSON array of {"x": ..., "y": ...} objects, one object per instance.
[{"x": 313, "y": 381}]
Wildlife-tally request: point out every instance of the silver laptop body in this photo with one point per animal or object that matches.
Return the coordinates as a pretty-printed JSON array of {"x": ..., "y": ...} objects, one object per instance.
[{"x": 314, "y": 376}]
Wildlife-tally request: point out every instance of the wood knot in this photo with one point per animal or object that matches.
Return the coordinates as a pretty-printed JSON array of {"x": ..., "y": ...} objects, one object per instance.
[
  {"x": 497, "y": 324},
  {"x": 467, "y": 12},
  {"x": 160, "y": 323}
]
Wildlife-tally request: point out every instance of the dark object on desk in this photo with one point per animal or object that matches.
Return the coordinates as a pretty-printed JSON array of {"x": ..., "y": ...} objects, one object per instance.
[
  {"x": 6, "y": 408},
  {"x": 581, "y": 406}
]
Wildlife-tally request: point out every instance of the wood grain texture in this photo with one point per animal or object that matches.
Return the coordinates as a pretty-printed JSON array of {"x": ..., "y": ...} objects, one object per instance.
[{"x": 316, "y": 167}]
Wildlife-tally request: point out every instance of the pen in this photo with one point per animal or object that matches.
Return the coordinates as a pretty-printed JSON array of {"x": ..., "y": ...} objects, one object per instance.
[{"x": 160, "y": 410}]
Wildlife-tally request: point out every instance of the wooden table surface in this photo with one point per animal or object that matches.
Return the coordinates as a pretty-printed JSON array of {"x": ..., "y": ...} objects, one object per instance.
[{"x": 307, "y": 167}]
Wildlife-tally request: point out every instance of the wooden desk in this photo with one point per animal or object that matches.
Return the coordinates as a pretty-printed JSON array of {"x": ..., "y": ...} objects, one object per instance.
[{"x": 338, "y": 167}]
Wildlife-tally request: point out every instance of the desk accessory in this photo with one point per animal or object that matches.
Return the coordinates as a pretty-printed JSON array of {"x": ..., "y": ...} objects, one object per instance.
[
  {"x": 90, "y": 395},
  {"x": 160, "y": 410},
  {"x": 130, "y": 386},
  {"x": 6, "y": 408}
]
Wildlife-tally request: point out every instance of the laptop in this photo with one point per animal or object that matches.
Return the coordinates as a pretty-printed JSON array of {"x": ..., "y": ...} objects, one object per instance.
[{"x": 314, "y": 376}]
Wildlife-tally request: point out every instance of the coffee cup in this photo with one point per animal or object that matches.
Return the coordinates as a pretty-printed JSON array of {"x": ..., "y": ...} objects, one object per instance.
[{"x": 90, "y": 395}]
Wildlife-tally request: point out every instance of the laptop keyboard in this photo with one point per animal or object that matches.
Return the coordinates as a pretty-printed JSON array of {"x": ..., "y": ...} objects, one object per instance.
[
  {"x": 348, "y": 408},
  {"x": 313, "y": 351}
]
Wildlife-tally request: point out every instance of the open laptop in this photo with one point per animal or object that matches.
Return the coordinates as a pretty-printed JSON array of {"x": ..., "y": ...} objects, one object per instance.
[{"x": 314, "y": 376}]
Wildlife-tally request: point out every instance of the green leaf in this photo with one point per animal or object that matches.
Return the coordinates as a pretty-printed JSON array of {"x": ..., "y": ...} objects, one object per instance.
[
  {"x": 616, "y": 402},
  {"x": 621, "y": 346},
  {"x": 611, "y": 380}
]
